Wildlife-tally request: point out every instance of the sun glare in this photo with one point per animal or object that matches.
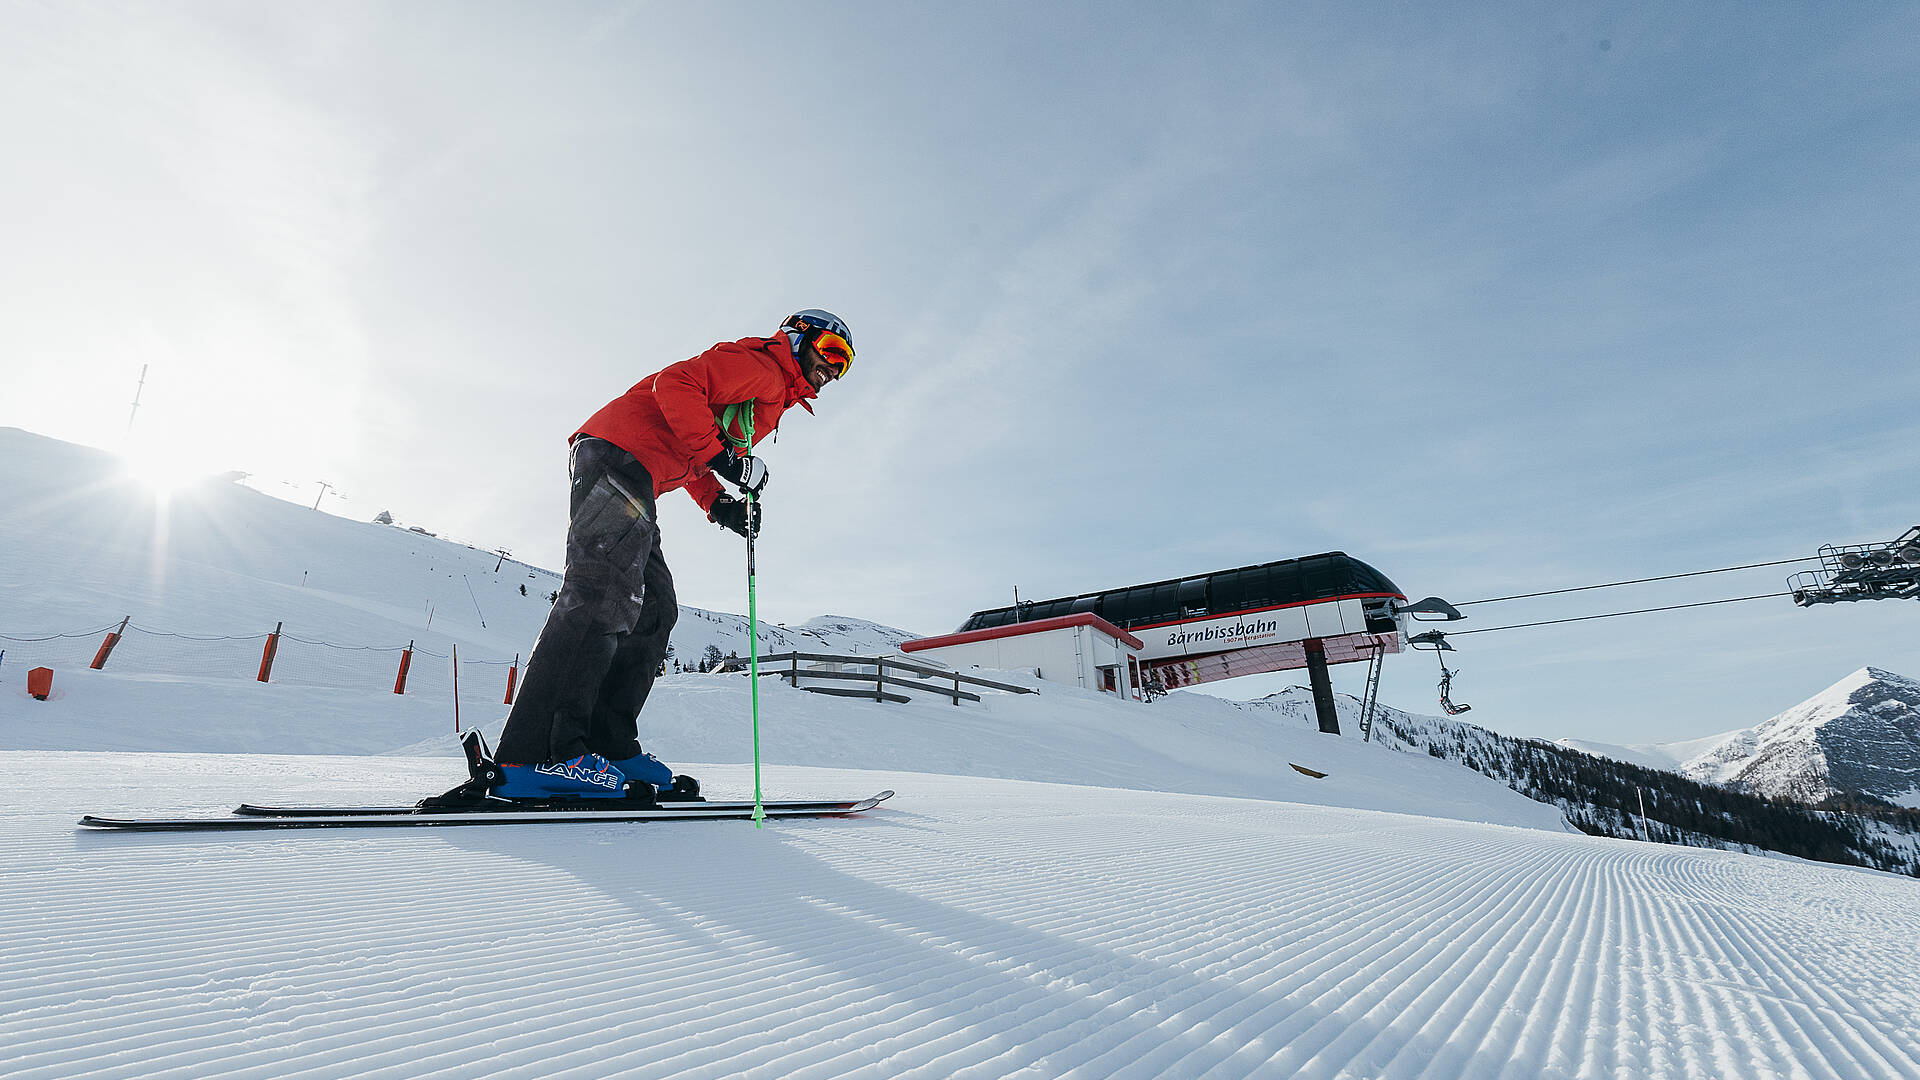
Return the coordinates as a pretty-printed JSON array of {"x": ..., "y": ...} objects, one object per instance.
[{"x": 161, "y": 473}]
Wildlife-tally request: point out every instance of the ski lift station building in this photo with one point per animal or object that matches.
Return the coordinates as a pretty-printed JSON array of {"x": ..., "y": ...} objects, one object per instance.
[
  {"x": 1308, "y": 612},
  {"x": 1083, "y": 649}
]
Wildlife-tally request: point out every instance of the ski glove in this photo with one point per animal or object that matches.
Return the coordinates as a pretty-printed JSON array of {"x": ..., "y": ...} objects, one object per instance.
[
  {"x": 746, "y": 473},
  {"x": 731, "y": 513}
]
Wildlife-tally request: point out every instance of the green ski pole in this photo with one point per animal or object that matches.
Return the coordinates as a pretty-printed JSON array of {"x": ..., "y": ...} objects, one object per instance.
[
  {"x": 753, "y": 664},
  {"x": 753, "y": 625}
]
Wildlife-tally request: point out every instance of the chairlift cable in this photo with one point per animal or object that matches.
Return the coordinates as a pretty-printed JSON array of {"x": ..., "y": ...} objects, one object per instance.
[
  {"x": 1641, "y": 581},
  {"x": 1438, "y": 638},
  {"x": 1617, "y": 614}
]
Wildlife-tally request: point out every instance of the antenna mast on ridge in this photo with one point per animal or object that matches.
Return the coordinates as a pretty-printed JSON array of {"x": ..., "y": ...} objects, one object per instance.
[{"x": 136, "y": 396}]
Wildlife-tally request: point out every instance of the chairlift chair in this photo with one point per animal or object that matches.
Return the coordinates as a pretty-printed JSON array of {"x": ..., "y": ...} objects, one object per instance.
[{"x": 1435, "y": 642}]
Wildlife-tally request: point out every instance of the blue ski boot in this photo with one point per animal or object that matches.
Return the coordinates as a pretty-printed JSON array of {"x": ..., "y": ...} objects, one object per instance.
[
  {"x": 588, "y": 776},
  {"x": 644, "y": 768}
]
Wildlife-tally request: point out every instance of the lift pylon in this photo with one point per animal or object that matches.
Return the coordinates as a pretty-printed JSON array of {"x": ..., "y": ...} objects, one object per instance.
[{"x": 1888, "y": 571}]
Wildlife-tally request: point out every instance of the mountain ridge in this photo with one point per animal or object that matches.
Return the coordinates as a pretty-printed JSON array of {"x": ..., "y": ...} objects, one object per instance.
[
  {"x": 1859, "y": 736},
  {"x": 1607, "y": 796}
]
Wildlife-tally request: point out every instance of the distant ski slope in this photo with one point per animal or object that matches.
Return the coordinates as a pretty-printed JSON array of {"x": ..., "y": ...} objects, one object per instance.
[{"x": 85, "y": 546}]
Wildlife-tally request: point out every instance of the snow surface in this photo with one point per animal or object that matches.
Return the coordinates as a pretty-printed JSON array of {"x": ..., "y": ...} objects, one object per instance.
[
  {"x": 1067, "y": 884},
  {"x": 971, "y": 927}
]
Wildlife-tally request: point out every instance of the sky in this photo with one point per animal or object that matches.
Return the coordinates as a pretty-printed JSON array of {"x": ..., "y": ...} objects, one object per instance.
[{"x": 1504, "y": 300}]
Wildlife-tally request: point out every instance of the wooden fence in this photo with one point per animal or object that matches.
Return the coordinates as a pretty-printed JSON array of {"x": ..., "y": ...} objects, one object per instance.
[{"x": 928, "y": 679}]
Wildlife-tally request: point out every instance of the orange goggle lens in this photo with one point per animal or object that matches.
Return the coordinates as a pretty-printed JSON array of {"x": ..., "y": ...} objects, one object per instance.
[{"x": 835, "y": 351}]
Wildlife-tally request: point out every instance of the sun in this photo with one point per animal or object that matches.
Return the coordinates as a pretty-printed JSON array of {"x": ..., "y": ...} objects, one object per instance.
[{"x": 163, "y": 472}]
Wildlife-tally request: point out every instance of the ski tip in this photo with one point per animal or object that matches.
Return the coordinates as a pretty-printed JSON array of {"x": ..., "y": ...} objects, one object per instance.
[
  {"x": 1304, "y": 771},
  {"x": 870, "y": 802}
]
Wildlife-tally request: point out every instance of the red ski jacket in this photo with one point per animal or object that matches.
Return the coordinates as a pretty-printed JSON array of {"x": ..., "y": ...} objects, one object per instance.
[{"x": 670, "y": 420}]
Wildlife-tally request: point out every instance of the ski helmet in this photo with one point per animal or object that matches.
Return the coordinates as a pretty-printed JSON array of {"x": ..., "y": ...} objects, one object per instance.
[{"x": 806, "y": 327}]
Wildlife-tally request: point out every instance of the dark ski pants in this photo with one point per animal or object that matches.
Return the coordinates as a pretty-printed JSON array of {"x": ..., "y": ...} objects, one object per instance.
[{"x": 594, "y": 662}]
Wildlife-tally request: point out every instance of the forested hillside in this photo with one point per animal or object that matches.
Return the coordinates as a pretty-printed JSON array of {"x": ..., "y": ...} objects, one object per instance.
[{"x": 1605, "y": 797}]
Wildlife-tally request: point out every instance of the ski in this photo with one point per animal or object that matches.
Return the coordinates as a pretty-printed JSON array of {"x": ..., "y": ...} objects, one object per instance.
[
  {"x": 258, "y": 810},
  {"x": 573, "y": 816}
]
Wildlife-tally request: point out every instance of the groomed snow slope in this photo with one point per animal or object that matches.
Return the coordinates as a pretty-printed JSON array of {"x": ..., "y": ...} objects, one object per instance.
[{"x": 969, "y": 928}]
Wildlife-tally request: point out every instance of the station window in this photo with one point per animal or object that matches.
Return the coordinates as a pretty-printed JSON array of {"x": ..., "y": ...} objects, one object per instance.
[
  {"x": 1135, "y": 605},
  {"x": 1321, "y": 578},
  {"x": 1256, "y": 587},
  {"x": 1165, "y": 603},
  {"x": 1193, "y": 596},
  {"x": 1227, "y": 591}
]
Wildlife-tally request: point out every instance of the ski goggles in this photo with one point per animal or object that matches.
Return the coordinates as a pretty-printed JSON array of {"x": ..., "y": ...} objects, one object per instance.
[{"x": 835, "y": 351}]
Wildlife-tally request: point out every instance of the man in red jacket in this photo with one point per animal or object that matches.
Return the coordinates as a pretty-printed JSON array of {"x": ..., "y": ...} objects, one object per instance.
[{"x": 573, "y": 731}]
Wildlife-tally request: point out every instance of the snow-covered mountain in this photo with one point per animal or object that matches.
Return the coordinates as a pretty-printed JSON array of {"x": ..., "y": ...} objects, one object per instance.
[
  {"x": 1860, "y": 735},
  {"x": 86, "y": 544},
  {"x": 1668, "y": 756}
]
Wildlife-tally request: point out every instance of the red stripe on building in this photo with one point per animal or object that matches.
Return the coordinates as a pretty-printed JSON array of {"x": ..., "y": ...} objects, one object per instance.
[
  {"x": 1019, "y": 629},
  {"x": 1275, "y": 607}
]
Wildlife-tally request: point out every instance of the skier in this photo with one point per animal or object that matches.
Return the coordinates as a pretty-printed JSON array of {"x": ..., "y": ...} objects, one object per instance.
[{"x": 573, "y": 730}]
